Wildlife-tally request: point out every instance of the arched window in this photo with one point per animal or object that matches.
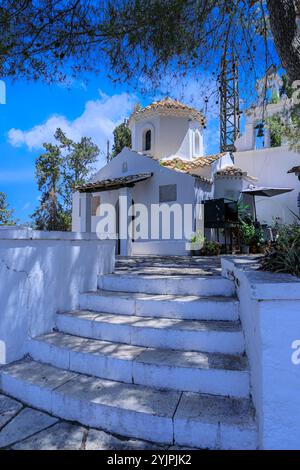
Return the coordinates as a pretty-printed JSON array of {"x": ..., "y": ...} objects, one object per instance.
[
  {"x": 197, "y": 143},
  {"x": 260, "y": 136},
  {"x": 147, "y": 143}
]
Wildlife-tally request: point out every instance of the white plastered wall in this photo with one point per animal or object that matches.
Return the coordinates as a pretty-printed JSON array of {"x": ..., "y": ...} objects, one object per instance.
[
  {"x": 171, "y": 136},
  {"x": 270, "y": 317},
  {"x": 43, "y": 273},
  {"x": 270, "y": 167},
  {"x": 146, "y": 192}
]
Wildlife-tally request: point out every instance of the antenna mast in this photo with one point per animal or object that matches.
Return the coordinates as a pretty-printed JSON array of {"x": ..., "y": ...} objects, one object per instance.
[
  {"x": 229, "y": 103},
  {"x": 107, "y": 151}
]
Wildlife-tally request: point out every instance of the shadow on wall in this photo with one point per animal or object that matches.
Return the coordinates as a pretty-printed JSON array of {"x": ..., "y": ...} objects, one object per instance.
[{"x": 41, "y": 277}]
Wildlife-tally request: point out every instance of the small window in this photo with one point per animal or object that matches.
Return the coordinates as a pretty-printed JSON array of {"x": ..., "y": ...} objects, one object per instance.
[
  {"x": 168, "y": 193},
  {"x": 147, "y": 145},
  {"x": 197, "y": 143},
  {"x": 95, "y": 205}
]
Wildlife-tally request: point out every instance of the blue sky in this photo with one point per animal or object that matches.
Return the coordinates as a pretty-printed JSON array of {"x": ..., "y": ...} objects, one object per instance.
[{"x": 33, "y": 111}]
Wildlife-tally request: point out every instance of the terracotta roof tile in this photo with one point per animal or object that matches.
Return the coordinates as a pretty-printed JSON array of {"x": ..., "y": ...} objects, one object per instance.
[
  {"x": 234, "y": 172},
  {"x": 113, "y": 183},
  {"x": 295, "y": 169},
  {"x": 187, "y": 166},
  {"x": 202, "y": 178},
  {"x": 170, "y": 107},
  {"x": 231, "y": 171}
]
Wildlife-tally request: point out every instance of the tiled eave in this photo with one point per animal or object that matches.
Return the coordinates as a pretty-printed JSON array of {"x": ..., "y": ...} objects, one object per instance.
[
  {"x": 232, "y": 172},
  {"x": 115, "y": 183},
  {"x": 295, "y": 169},
  {"x": 168, "y": 107},
  {"x": 190, "y": 166}
]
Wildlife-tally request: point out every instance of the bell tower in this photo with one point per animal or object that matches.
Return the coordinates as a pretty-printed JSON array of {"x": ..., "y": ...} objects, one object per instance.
[{"x": 168, "y": 129}]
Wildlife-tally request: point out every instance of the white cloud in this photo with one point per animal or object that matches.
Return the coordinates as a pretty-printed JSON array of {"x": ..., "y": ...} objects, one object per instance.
[
  {"x": 191, "y": 90},
  {"x": 97, "y": 121},
  {"x": 101, "y": 116},
  {"x": 71, "y": 82},
  {"x": 26, "y": 206}
]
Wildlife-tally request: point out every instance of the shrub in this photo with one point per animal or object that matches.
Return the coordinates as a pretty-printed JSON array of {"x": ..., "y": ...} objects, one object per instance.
[
  {"x": 197, "y": 238},
  {"x": 211, "y": 248},
  {"x": 258, "y": 238},
  {"x": 247, "y": 233},
  {"x": 284, "y": 255}
]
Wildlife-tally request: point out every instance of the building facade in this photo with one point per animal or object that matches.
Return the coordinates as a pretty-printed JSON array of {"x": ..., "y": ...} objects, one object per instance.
[{"x": 156, "y": 188}]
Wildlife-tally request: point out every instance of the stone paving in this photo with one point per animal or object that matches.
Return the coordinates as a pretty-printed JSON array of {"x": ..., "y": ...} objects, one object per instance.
[
  {"x": 169, "y": 265},
  {"x": 24, "y": 428}
]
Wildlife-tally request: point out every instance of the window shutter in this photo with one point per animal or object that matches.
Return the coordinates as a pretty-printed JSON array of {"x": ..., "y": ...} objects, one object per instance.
[
  {"x": 95, "y": 205},
  {"x": 168, "y": 193}
]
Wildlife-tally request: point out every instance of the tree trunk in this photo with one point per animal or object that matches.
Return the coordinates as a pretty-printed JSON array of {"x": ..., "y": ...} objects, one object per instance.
[{"x": 285, "y": 27}]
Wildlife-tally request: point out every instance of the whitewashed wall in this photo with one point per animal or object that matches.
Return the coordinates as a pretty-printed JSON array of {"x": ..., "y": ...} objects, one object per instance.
[
  {"x": 270, "y": 166},
  {"x": 42, "y": 273},
  {"x": 270, "y": 316},
  {"x": 254, "y": 116},
  {"x": 147, "y": 193},
  {"x": 171, "y": 136},
  {"x": 129, "y": 162},
  {"x": 228, "y": 187}
]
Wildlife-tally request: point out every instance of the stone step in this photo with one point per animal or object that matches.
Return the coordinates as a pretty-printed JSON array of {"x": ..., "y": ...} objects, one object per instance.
[
  {"x": 167, "y": 333},
  {"x": 205, "y": 421},
  {"x": 163, "y": 416},
  {"x": 189, "y": 307},
  {"x": 178, "y": 265},
  {"x": 176, "y": 285},
  {"x": 215, "y": 374}
]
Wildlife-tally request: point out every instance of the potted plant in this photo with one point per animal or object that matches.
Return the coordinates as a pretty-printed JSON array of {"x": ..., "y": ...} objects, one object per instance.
[
  {"x": 211, "y": 248},
  {"x": 246, "y": 234},
  {"x": 196, "y": 244},
  {"x": 258, "y": 241}
]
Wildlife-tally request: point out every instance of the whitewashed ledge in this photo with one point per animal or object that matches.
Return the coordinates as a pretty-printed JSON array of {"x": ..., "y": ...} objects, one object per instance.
[
  {"x": 26, "y": 233},
  {"x": 42, "y": 273},
  {"x": 263, "y": 285},
  {"x": 269, "y": 308}
]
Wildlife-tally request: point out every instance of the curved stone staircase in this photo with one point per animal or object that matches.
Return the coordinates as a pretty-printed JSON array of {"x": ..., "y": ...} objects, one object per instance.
[{"x": 154, "y": 356}]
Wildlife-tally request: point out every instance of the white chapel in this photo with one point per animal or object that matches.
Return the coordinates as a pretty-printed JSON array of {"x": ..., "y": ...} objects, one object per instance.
[{"x": 165, "y": 167}]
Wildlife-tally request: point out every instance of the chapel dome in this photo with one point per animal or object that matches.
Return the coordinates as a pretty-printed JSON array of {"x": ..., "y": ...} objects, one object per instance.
[
  {"x": 168, "y": 129},
  {"x": 168, "y": 107}
]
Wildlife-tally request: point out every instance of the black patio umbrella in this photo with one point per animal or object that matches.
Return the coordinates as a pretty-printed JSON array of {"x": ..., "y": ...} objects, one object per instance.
[{"x": 264, "y": 191}]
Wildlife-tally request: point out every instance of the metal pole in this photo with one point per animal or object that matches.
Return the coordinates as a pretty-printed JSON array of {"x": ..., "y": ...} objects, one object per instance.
[{"x": 107, "y": 152}]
